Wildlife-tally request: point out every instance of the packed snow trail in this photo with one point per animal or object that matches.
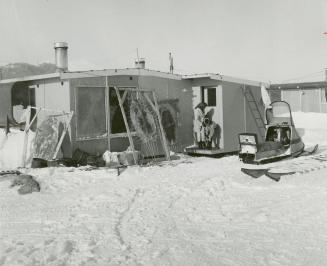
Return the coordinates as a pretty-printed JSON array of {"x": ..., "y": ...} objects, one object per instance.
[{"x": 203, "y": 211}]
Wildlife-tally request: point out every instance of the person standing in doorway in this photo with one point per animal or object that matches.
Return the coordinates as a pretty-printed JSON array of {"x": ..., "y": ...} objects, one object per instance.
[{"x": 198, "y": 124}]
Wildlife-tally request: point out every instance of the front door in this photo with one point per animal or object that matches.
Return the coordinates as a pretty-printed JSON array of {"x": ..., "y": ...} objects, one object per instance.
[{"x": 211, "y": 95}]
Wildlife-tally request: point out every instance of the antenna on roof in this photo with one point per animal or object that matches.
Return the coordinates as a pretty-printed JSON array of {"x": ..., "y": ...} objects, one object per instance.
[
  {"x": 171, "y": 64},
  {"x": 137, "y": 54}
]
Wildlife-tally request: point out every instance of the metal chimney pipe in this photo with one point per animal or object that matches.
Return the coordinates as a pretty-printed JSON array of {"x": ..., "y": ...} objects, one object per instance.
[
  {"x": 61, "y": 56},
  {"x": 140, "y": 63}
]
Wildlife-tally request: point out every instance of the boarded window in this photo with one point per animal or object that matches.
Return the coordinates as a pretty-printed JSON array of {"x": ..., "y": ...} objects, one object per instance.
[{"x": 91, "y": 112}]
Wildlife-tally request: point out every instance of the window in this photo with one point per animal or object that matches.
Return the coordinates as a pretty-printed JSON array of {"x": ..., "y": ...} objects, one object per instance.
[
  {"x": 91, "y": 111},
  {"x": 209, "y": 96},
  {"x": 116, "y": 117},
  {"x": 324, "y": 95}
]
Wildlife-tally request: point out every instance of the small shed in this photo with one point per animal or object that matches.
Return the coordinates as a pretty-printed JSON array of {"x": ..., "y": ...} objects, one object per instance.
[{"x": 304, "y": 96}]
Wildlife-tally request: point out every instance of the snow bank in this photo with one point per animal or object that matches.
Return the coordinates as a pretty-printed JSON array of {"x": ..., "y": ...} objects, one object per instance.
[
  {"x": 312, "y": 127},
  {"x": 11, "y": 149}
]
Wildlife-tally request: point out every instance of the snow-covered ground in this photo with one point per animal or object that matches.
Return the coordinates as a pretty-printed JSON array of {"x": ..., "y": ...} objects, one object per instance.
[{"x": 191, "y": 211}]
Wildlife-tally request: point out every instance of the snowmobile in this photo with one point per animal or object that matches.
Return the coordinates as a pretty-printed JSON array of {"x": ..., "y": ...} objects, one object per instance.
[{"x": 281, "y": 138}]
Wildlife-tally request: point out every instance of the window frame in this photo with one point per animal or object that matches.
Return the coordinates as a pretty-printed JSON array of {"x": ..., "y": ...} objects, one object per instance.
[
  {"x": 96, "y": 137},
  {"x": 108, "y": 133},
  {"x": 122, "y": 134}
]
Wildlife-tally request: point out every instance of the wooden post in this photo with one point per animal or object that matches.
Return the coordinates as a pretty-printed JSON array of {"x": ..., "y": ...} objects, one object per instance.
[
  {"x": 150, "y": 102},
  {"x": 126, "y": 124},
  {"x": 107, "y": 106},
  {"x": 244, "y": 109},
  {"x": 70, "y": 116},
  {"x": 33, "y": 119},
  {"x": 161, "y": 127},
  {"x": 27, "y": 127},
  {"x": 124, "y": 97}
]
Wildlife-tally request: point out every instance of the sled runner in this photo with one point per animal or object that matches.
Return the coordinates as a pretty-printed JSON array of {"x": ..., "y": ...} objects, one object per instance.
[{"x": 281, "y": 138}]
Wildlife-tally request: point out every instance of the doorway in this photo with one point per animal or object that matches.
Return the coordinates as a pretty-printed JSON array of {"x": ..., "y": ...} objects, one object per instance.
[{"x": 22, "y": 95}]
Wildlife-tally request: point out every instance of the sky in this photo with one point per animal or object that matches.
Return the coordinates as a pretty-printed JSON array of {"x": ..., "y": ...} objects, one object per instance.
[{"x": 263, "y": 40}]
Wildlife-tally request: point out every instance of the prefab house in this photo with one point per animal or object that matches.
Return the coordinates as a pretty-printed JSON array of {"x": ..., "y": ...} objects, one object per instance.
[
  {"x": 305, "y": 96},
  {"x": 98, "y": 125},
  {"x": 112, "y": 108}
]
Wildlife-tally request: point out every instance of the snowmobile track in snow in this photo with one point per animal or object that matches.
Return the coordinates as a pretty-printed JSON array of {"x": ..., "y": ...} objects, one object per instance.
[{"x": 306, "y": 165}]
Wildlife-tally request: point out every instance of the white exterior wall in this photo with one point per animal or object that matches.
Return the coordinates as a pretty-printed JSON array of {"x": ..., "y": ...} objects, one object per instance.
[
  {"x": 53, "y": 95},
  {"x": 305, "y": 100}
]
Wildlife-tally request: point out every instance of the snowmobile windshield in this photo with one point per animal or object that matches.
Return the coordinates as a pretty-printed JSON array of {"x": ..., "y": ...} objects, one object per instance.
[{"x": 279, "y": 113}]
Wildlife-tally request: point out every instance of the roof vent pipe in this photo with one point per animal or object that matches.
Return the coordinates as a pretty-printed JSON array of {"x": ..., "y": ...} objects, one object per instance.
[
  {"x": 140, "y": 63},
  {"x": 61, "y": 56}
]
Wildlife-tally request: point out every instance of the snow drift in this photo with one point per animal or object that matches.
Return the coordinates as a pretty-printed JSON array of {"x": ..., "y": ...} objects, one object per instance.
[{"x": 11, "y": 149}]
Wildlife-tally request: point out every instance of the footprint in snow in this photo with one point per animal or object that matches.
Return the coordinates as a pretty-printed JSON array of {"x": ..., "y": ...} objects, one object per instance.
[
  {"x": 69, "y": 247},
  {"x": 9, "y": 250},
  {"x": 261, "y": 218},
  {"x": 51, "y": 258}
]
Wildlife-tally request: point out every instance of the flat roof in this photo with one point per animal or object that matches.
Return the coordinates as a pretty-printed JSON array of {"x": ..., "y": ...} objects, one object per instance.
[
  {"x": 132, "y": 72},
  {"x": 96, "y": 73},
  {"x": 28, "y": 78},
  {"x": 226, "y": 78},
  {"x": 299, "y": 85},
  {"x": 119, "y": 72}
]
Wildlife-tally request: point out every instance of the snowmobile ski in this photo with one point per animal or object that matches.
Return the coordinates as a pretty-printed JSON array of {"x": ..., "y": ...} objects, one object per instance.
[
  {"x": 255, "y": 173},
  {"x": 276, "y": 176}
]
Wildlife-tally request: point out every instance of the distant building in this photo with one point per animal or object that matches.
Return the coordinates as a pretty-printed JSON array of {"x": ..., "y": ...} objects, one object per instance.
[{"x": 305, "y": 96}]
